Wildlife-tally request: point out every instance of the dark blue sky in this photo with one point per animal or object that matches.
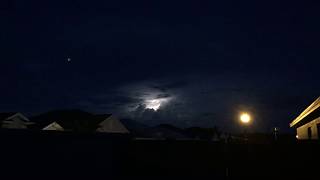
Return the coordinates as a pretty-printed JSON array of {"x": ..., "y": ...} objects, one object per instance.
[{"x": 208, "y": 60}]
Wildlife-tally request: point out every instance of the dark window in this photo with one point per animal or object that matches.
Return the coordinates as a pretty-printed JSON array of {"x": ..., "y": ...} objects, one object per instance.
[
  {"x": 309, "y": 133},
  {"x": 318, "y": 129}
]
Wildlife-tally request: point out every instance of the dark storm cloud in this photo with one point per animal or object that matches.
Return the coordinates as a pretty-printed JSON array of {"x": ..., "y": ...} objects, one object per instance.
[
  {"x": 211, "y": 59},
  {"x": 202, "y": 101},
  {"x": 163, "y": 96},
  {"x": 175, "y": 84}
]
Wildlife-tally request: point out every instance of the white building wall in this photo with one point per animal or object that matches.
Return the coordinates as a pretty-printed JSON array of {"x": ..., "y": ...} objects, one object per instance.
[{"x": 302, "y": 131}]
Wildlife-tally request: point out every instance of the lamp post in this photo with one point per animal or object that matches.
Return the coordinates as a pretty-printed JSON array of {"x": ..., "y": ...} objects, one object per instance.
[{"x": 245, "y": 120}]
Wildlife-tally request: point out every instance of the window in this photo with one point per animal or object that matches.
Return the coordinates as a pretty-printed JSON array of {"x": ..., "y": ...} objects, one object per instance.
[
  {"x": 309, "y": 133},
  {"x": 318, "y": 129}
]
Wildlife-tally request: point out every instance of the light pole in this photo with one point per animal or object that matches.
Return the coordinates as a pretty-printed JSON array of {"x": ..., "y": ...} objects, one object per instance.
[{"x": 245, "y": 119}]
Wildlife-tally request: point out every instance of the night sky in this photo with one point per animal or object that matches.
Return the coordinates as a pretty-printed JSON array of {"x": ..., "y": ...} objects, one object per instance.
[{"x": 203, "y": 61}]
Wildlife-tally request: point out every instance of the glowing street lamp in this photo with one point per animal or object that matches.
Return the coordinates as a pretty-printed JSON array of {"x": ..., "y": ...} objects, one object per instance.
[{"x": 245, "y": 118}]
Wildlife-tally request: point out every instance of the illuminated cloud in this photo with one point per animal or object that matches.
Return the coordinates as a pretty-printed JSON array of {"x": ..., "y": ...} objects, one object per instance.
[{"x": 155, "y": 104}]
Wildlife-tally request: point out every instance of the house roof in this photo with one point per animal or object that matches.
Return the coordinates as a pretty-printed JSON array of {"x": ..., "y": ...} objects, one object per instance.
[
  {"x": 75, "y": 120},
  {"x": 308, "y": 114},
  {"x": 60, "y": 116},
  {"x": 5, "y": 115}
]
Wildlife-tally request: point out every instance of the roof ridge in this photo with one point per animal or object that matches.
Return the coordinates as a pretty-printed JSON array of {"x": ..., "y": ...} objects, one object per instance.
[{"x": 315, "y": 105}]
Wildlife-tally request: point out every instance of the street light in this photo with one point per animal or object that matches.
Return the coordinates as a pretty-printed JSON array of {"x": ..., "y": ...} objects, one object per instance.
[{"x": 245, "y": 118}]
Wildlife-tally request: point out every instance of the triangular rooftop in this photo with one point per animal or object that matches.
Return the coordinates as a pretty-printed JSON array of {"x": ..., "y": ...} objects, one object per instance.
[
  {"x": 5, "y": 115},
  {"x": 303, "y": 117}
]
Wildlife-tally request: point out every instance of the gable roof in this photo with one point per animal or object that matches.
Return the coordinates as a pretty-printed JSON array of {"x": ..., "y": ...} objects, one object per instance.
[
  {"x": 111, "y": 124},
  {"x": 6, "y": 115},
  {"x": 68, "y": 119},
  {"x": 10, "y": 115},
  {"x": 73, "y": 120},
  {"x": 312, "y": 111},
  {"x": 53, "y": 127}
]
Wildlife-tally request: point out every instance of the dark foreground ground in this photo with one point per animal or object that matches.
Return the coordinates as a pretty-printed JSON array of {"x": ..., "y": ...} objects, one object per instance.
[{"x": 34, "y": 155}]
